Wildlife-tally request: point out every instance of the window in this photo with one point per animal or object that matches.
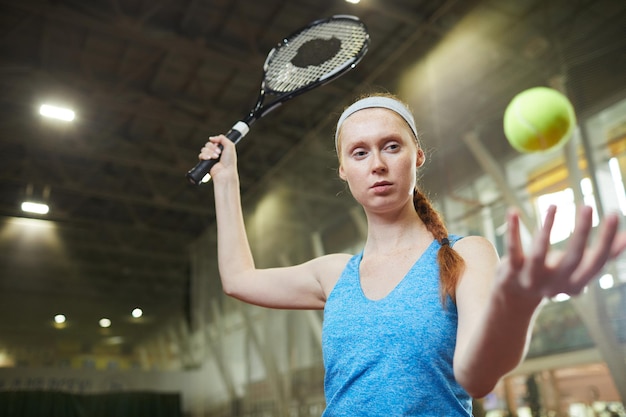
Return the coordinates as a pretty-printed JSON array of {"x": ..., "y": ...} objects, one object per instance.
[{"x": 566, "y": 209}]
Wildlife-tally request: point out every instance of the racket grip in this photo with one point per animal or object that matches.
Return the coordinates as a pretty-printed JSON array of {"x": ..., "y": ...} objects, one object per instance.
[
  {"x": 196, "y": 174},
  {"x": 202, "y": 168}
]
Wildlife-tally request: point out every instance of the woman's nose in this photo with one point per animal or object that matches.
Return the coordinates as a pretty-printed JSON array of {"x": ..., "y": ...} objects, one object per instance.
[{"x": 378, "y": 163}]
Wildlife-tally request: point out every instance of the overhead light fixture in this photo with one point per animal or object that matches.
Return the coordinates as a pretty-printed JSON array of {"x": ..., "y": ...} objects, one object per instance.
[
  {"x": 606, "y": 281},
  {"x": 37, "y": 208},
  {"x": 55, "y": 112},
  {"x": 560, "y": 297},
  {"x": 60, "y": 321},
  {"x": 137, "y": 313},
  {"x": 35, "y": 202},
  {"x": 104, "y": 322},
  {"x": 353, "y": 1}
]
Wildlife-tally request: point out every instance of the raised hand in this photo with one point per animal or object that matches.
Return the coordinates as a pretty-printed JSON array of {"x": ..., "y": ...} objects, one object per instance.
[
  {"x": 224, "y": 149},
  {"x": 544, "y": 273}
]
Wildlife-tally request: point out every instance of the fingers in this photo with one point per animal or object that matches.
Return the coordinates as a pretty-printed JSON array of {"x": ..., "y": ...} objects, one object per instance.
[
  {"x": 541, "y": 243},
  {"x": 581, "y": 264},
  {"x": 577, "y": 241},
  {"x": 619, "y": 245},
  {"x": 547, "y": 272},
  {"x": 514, "y": 243},
  {"x": 619, "y": 240},
  {"x": 213, "y": 148},
  {"x": 597, "y": 257}
]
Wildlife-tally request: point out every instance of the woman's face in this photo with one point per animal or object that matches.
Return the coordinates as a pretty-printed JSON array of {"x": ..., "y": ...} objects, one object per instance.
[{"x": 378, "y": 157}]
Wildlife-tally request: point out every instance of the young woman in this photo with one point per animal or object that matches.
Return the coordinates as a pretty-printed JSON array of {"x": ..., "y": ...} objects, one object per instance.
[{"x": 420, "y": 321}]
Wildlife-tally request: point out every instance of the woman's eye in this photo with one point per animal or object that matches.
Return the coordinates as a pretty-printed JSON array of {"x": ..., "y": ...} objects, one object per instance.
[
  {"x": 392, "y": 146},
  {"x": 359, "y": 153}
]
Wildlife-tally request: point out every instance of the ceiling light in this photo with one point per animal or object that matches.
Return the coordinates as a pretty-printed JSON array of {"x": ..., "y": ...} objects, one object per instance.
[
  {"x": 137, "y": 313},
  {"x": 606, "y": 281},
  {"x": 561, "y": 297},
  {"x": 55, "y": 112},
  {"x": 32, "y": 207},
  {"x": 104, "y": 322},
  {"x": 59, "y": 321},
  {"x": 353, "y": 1}
]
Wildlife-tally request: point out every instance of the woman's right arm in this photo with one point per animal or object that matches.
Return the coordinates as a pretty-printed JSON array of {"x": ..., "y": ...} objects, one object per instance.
[{"x": 302, "y": 286}]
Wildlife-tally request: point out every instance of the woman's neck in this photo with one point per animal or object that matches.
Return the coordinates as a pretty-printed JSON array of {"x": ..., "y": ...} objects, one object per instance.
[{"x": 388, "y": 234}]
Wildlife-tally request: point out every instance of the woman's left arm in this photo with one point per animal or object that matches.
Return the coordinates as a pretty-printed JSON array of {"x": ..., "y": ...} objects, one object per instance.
[{"x": 498, "y": 300}]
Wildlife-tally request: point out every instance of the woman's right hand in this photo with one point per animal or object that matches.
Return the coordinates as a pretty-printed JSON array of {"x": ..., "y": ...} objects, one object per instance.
[{"x": 222, "y": 148}]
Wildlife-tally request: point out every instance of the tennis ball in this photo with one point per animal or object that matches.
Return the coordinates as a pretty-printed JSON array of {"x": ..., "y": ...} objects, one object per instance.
[{"x": 539, "y": 119}]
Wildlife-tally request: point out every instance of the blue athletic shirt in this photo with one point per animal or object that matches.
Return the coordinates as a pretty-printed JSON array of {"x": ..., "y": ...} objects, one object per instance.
[{"x": 392, "y": 357}]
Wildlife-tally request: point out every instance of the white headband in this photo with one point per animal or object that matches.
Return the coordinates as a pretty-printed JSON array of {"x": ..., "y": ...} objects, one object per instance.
[{"x": 377, "y": 102}]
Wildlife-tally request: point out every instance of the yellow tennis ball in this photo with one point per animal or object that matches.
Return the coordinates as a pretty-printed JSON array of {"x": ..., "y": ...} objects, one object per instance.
[{"x": 539, "y": 119}]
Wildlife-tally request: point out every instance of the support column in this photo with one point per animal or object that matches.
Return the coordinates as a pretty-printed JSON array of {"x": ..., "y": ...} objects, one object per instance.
[
  {"x": 271, "y": 368},
  {"x": 509, "y": 396},
  {"x": 590, "y": 305},
  {"x": 491, "y": 167},
  {"x": 217, "y": 349}
]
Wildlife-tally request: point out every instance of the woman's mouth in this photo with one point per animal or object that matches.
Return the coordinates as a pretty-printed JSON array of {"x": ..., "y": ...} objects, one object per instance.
[{"x": 381, "y": 186}]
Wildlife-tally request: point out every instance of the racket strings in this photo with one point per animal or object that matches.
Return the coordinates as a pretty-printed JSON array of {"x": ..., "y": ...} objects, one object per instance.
[{"x": 314, "y": 54}]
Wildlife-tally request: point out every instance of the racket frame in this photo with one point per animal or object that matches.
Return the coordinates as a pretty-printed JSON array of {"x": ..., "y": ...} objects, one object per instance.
[{"x": 200, "y": 173}]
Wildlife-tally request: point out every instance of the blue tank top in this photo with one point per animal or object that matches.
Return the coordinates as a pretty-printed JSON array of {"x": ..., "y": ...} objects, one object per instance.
[{"x": 392, "y": 357}]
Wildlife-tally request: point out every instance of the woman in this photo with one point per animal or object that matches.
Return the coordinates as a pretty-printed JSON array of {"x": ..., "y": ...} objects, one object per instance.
[{"x": 420, "y": 321}]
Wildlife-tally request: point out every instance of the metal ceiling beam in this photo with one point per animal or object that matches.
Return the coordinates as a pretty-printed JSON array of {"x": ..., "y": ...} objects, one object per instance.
[
  {"x": 110, "y": 195},
  {"x": 124, "y": 28},
  {"x": 175, "y": 238}
]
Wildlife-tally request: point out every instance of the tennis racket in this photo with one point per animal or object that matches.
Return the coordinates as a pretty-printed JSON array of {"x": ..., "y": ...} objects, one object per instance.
[{"x": 311, "y": 57}]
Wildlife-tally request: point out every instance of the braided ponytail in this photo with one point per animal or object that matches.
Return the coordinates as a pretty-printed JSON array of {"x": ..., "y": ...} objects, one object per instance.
[{"x": 451, "y": 264}]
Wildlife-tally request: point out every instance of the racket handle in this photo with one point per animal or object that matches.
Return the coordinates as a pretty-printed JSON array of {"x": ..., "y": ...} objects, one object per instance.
[{"x": 196, "y": 174}]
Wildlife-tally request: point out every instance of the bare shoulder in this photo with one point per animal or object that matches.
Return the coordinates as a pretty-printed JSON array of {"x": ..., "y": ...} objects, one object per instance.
[
  {"x": 339, "y": 259},
  {"x": 328, "y": 268},
  {"x": 330, "y": 265},
  {"x": 475, "y": 248},
  {"x": 481, "y": 262}
]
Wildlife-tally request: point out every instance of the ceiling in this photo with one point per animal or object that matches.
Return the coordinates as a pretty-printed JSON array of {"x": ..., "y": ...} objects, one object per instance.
[{"x": 150, "y": 80}]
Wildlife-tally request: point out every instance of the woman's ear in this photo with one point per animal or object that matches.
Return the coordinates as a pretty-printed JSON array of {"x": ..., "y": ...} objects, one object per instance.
[
  {"x": 342, "y": 175},
  {"x": 421, "y": 158}
]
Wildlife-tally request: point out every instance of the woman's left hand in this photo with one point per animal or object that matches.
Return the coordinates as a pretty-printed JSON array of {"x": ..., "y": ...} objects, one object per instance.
[{"x": 543, "y": 273}]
